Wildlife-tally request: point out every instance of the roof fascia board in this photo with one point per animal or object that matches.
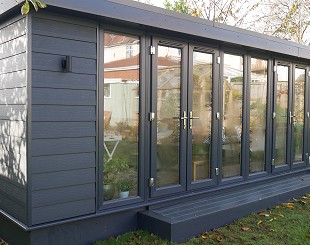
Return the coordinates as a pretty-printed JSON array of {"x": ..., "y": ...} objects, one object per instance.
[{"x": 146, "y": 15}]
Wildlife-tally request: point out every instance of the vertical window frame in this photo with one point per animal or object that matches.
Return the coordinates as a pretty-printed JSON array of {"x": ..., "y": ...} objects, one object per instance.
[
  {"x": 265, "y": 171},
  {"x": 119, "y": 203}
]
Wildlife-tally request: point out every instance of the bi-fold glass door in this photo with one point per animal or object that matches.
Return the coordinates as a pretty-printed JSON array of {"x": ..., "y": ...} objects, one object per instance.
[
  {"x": 182, "y": 115},
  {"x": 289, "y": 117}
]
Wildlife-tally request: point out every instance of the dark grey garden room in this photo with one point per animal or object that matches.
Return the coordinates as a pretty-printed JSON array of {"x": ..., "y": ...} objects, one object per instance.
[{"x": 117, "y": 116}]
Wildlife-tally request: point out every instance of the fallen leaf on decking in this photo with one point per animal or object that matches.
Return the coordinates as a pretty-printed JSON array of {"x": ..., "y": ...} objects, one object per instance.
[{"x": 245, "y": 228}]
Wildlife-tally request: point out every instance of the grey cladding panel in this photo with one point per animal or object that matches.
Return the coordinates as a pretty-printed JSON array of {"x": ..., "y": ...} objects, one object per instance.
[
  {"x": 63, "y": 146},
  {"x": 15, "y": 96},
  {"x": 52, "y": 45},
  {"x": 13, "y": 63},
  {"x": 13, "y": 30},
  {"x": 49, "y": 62},
  {"x": 61, "y": 179},
  {"x": 15, "y": 146},
  {"x": 63, "y": 30},
  {"x": 63, "y": 211},
  {"x": 64, "y": 117},
  {"x": 63, "y": 195},
  {"x": 49, "y": 79},
  {"x": 50, "y": 96},
  {"x": 13, "y": 112},
  {"x": 13, "y": 128},
  {"x": 13, "y": 47},
  {"x": 41, "y": 130},
  {"x": 13, "y": 189},
  {"x": 50, "y": 113},
  {"x": 14, "y": 208},
  {"x": 13, "y": 80},
  {"x": 54, "y": 163}
]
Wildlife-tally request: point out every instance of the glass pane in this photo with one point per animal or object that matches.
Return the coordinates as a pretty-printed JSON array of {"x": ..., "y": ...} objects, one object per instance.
[
  {"x": 121, "y": 115},
  {"x": 232, "y": 115},
  {"x": 281, "y": 115},
  {"x": 258, "y": 103},
  {"x": 299, "y": 102},
  {"x": 202, "y": 109},
  {"x": 168, "y": 113}
]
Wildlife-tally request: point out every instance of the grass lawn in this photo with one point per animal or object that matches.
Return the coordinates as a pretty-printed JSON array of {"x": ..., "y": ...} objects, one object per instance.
[{"x": 288, "y": 223}]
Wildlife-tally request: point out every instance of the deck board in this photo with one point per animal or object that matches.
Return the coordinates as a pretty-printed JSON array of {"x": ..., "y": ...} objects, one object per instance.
[{"x": 187, "y": 219}]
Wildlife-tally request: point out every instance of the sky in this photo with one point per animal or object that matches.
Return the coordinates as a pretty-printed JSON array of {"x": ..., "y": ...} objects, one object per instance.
[{"x": 158, "y": 3}]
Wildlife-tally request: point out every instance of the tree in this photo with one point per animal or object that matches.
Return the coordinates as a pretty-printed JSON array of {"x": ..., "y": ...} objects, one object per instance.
[
  {"x": 180, "y": 6},
  {"x": 288, "y": 19},
  {"x": 231, "y": 12},
  {"x": 37, "y": 4}
]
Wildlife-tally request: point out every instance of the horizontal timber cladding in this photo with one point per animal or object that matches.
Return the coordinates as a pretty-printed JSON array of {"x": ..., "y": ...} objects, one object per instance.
[
  {"x": 51, "y": 96},
  {"x": 13, "y": 113},
  {"x": 13, "y": 128},
  {"x": 13, "y": 63},
  {"x": 46, "y": 164},
  {"x": 49, "y": 130},
  {"x": 13, "y": 80},
  {"x": 51, "y": 62},
  {"x": 62, "y": 146},
  {"x": 63, "y": 118},
  {"x": 14, "y": 96},
  {"x": 54, "y": 113},
  {"x": 63, "y": 210},
  {"x": 61, "y": 80},
  {"x": 13, "y": 47}
]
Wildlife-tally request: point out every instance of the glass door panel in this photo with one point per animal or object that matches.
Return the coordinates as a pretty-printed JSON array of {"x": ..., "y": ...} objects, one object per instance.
[
  {"x": 232, "y": 115},
  {"x": 298, "y": 114},
  {"x": 168, "y": 116},
  {"x": 281, "y": 115},
  {"x": 201, "y": 115},
  {"x": 258, "y": 107}
]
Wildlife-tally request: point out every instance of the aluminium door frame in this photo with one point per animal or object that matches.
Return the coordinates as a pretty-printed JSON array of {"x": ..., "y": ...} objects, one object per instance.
[
  {"x": 181, "y": 187},
  {"x": 305, "y": 153},
  {"x": 243, "y": 174},
  {"x": 269, "y": 121},
  {"x": 287, "y": 164},
  {"x": 209, "y": 49}
]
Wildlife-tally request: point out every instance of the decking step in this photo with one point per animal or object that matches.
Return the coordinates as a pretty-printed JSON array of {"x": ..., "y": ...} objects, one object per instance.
[{"x": 186, "y": 219}]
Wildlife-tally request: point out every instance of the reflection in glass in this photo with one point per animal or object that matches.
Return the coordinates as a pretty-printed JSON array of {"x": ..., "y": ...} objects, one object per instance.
[
  {"x": 232, "y": 115},
  {"x": 168, "y": 113},
  {"x": 202, "y": 109},
  {"x": 281, "y": 115},
  {"x": 121, "y": 115},
  {"x": 299, "y": 102},
  {"x": 258, "y": 103}
]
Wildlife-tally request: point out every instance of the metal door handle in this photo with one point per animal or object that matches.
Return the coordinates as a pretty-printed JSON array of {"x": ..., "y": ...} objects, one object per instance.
[
  {"x": 191, "y": 117},
  {"x": 290, "y": 117},
  {"x": 184, "y": 118}
]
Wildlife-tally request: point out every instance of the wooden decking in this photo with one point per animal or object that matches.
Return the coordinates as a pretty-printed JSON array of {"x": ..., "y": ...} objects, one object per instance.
[{"x": 187, "y": 219}]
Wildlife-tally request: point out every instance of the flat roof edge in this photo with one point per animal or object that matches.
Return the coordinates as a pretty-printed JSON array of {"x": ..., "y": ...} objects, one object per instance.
[{"x": 154, "y": 17}]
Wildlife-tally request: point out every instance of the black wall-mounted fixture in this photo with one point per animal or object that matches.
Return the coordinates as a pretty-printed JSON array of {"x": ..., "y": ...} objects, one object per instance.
[{"x": 67, "y": 64}]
